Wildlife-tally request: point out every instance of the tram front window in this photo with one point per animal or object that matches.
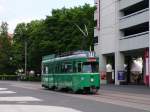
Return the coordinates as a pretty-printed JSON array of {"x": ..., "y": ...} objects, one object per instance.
[{"x": 90, "y": 67}]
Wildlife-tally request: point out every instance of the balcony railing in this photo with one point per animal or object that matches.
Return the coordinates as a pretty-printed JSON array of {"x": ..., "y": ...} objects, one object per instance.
[
  {"x": 134, "y": 35},
  {"x": 127, "y": 3},
  {"x": 136, "y": 41},
  {"x": 136, "y": 13},
  {"x": 134, "y": 19}
]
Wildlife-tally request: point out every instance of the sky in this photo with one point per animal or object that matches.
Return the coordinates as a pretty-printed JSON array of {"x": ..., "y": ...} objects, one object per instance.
[{"x": 17, "y": 11}]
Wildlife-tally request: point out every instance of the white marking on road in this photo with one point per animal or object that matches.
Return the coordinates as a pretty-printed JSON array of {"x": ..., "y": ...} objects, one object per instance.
[
  {"x": 28, "y": 86},
  {"x": 21, "y": 98},
  {"x": 1, "y": 89},
  {"x": 35, "y": 108},
  {"x": 7, "y": 92}
]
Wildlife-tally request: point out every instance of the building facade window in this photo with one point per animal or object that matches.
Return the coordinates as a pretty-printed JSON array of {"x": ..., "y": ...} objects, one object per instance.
[{"x": 96, "y": 40}]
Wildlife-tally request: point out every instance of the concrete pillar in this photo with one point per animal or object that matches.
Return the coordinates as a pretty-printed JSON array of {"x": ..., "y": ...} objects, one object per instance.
[
  {"x": 119, "y": 57},
  {"x": 119, "y": 65},
  {"x": 102, "y": 66},
  {"x": 102, "y": 63},
  {"x": 149, "y": 48}
]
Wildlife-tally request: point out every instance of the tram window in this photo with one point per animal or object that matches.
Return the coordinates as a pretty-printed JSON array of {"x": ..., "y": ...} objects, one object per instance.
[
  {"x": 42, "y": 68},
  {"x": 56, "y": 69},
  {"x": 79, "y": 67},
  {"x": 45, "y": 70},
  {"x": 87, "y": 68},
  {"x": 50, "y": 69},
  {"x": 62, "y": 68},
  {"x": 95, "y": 67},
  {"x": 68, "y": 68},
  {"x": 90, "y": 67}
]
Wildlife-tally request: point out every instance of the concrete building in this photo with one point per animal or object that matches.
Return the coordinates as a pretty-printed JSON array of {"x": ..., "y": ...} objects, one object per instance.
[{"x": 121, "y": 35}]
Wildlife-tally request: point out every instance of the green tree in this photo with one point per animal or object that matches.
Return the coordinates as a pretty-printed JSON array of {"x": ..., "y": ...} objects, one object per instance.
[
  {"x": 20, "y": 36},
  {"x": 5, "y": 50},
  {"x": 58, "y": 33}
]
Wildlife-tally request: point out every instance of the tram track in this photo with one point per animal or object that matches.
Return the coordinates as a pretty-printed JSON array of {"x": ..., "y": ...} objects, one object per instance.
[
  {"x": 120, "y": 99},
  {"x": 124, "y": 93},
  {"x": 132, "y": 100},
  {"x": 135, "y": 98},
  {"x": 114, "y": 95}
]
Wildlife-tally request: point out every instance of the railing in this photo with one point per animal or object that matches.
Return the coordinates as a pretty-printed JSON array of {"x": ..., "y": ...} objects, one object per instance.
[
  {"x": 138, "y": 12},
  {"x": 128, "y": 3},
  {"x": 134, "y": 35}
]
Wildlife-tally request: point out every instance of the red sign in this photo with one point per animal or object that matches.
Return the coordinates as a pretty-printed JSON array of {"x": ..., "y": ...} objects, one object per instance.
[
  {"x": 103, "y": 75},
  {"x": 91, "y": 59},
  {"x": 146, "y": 53}
]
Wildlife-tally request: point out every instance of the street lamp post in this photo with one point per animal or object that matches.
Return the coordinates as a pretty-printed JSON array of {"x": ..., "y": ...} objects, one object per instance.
[{"x": 25, "y": 63}]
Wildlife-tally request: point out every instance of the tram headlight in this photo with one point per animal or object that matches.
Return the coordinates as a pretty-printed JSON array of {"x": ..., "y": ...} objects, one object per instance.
[
  {"x": 92, "y": 80},
  {"x": 82, "y": 78}
]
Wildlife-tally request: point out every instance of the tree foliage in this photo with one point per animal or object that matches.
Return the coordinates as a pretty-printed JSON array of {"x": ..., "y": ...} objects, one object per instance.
[
  {"x": 5, "y": 50},
  {"x": 56, "y": 34}
]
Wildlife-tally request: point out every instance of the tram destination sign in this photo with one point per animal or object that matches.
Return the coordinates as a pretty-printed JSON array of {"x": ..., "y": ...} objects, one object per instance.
[{"x": 91, "y": 60}]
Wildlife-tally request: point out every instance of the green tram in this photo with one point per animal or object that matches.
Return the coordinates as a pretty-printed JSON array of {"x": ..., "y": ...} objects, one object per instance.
[{"x": 77, "y": 71}]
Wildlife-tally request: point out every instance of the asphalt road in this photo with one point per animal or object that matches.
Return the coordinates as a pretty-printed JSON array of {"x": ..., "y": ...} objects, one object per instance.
[{"x": 28, "y": 96}]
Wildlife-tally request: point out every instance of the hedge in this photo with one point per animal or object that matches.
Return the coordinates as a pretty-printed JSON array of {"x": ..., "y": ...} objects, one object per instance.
[
  {"x": 22, "y": 78},
  {"x": 30, "y": 78},
  {"x": 8, "y": 77}
]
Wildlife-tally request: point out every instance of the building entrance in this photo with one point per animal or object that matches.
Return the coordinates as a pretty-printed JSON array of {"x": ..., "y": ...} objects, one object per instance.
[
  {"x": 134, "y": 69},
  {"x": 110, "y": 66}
]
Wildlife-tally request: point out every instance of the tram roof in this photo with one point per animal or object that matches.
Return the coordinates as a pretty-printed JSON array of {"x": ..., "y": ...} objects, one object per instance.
[{"x": 76, "y": 55}]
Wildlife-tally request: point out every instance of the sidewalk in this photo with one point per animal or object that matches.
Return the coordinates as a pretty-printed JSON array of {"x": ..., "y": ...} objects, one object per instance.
[{"x": 133, "y": 89}]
